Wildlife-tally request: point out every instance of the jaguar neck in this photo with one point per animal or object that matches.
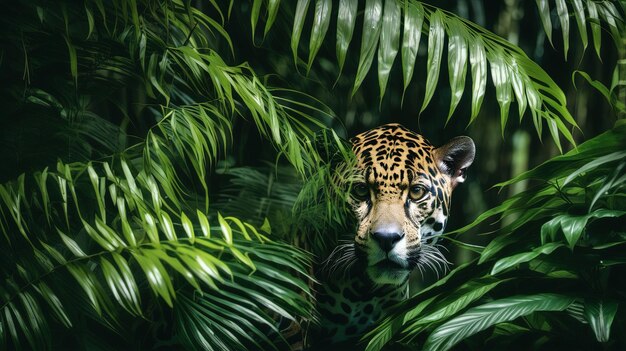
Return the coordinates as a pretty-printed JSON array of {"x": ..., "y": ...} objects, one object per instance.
[{"x": 351, "y": 304}]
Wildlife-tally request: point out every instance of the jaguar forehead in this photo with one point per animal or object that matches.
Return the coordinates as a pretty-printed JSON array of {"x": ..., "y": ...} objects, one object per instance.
[{"x": 391, "y": 156}]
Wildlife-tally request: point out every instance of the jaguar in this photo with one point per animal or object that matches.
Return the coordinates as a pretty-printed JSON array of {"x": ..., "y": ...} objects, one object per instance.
[{"x": 400, "y": 197}]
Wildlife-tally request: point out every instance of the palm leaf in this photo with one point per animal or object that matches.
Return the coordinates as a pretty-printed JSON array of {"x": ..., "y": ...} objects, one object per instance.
[
  {"x": 597, "y": 14},
  {"x": 479, "y": 318},
  {"x": 510, "y": 65}
]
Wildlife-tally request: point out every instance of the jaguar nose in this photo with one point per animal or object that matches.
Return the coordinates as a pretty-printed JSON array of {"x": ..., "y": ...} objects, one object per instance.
[{"x": 387, "y": 237}]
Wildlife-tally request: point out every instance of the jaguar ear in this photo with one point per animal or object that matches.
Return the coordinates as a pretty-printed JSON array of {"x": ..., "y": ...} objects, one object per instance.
[{"x": 454, "y": 157}]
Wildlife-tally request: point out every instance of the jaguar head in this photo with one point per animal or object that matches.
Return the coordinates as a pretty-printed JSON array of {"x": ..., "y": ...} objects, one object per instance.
[{"x": 401, "y": 198}]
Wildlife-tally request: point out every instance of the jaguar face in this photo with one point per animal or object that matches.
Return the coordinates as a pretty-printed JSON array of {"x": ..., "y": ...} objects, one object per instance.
[{"x": 401, "y": 198}]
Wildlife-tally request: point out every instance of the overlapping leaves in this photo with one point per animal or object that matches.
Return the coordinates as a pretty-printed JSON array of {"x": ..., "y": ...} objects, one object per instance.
[
  {"x": 515, "y": 77},
  {"x": 132, "y": 234},
  {"x": 589, "y": 15},
  {"x": 127, "y": 232},
  {"x": 561, "y": 251}
]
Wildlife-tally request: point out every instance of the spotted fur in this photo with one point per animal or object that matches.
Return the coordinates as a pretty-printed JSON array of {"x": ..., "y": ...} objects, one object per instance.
[{"x": 401, "y": 201}]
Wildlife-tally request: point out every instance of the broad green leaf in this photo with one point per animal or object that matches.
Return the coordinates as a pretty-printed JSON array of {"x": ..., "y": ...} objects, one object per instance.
[
  {"x": 482, "y": 317},
  {"x": 371, "y": 32},
  {"x": 600, "y": 314},
  {"x": 508, "y": 262},
  {"x": 412, "y": 33},
  {"x": 389, "y": 43},
  {"x": 346, "y": 19},
  {"x": 436, "y": 34},
  {"x": 615, "y": 156},
  {"x": 573, "y": 226},
  {"x": 457, "y": 301},
  {"x": 613, "y": 182},
  {"x": 321, "y": 21},
  {"x": 550, "y": 229},
  {"x": 298, "y": 24},
  {"x": 457, "y": 62},
  {"x": 478, "y": 62},
  {"x": 544, "y": 12}
]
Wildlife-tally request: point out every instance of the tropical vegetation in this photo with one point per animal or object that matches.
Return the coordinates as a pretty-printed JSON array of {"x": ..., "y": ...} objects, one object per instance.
[{"x": 168, "y": 169}]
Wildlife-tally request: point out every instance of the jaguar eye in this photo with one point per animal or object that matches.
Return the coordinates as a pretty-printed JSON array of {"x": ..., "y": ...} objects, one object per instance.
[
  {"x": 417, "y": 192},
  {"x": 361, "y": 191}
]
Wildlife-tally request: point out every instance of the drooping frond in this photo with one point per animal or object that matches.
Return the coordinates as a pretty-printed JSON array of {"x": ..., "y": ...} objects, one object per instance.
[
  {"x": 394, "y": 28},
  {"x": 111, "y": 227},
  {"x": 588, "y": 14}
]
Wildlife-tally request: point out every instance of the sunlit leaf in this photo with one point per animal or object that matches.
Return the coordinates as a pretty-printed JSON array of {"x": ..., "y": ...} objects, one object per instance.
[
  {"x": 600, "y": 314},
  {"x": 457, "y": 63},
  {"x": 478, "y": 62},
  {"x": 389, "y": 43},
  {"x": 507, "y": 262},
  {"x": 436, "y": 33},
  {"x": 412, "y": 33},
  {"x": 502, "y": 82},
  {"x": 371, "y": 33},
  {"x": 321, "y": 21},
  {"x": 346, "y": 19},
  {"x": 298, "y": 25}
]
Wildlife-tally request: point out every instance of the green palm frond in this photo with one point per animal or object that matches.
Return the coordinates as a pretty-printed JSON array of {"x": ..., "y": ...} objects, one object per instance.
[
  {"x": 125, "y": 225},
  {"x": 588, "y": 15},
  {"x": 133, "y": 231},
  {"x": 515, "y": 77}
]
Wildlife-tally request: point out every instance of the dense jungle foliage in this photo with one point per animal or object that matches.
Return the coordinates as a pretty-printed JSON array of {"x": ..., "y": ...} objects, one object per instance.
[{"x": 168, "y": 165}]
